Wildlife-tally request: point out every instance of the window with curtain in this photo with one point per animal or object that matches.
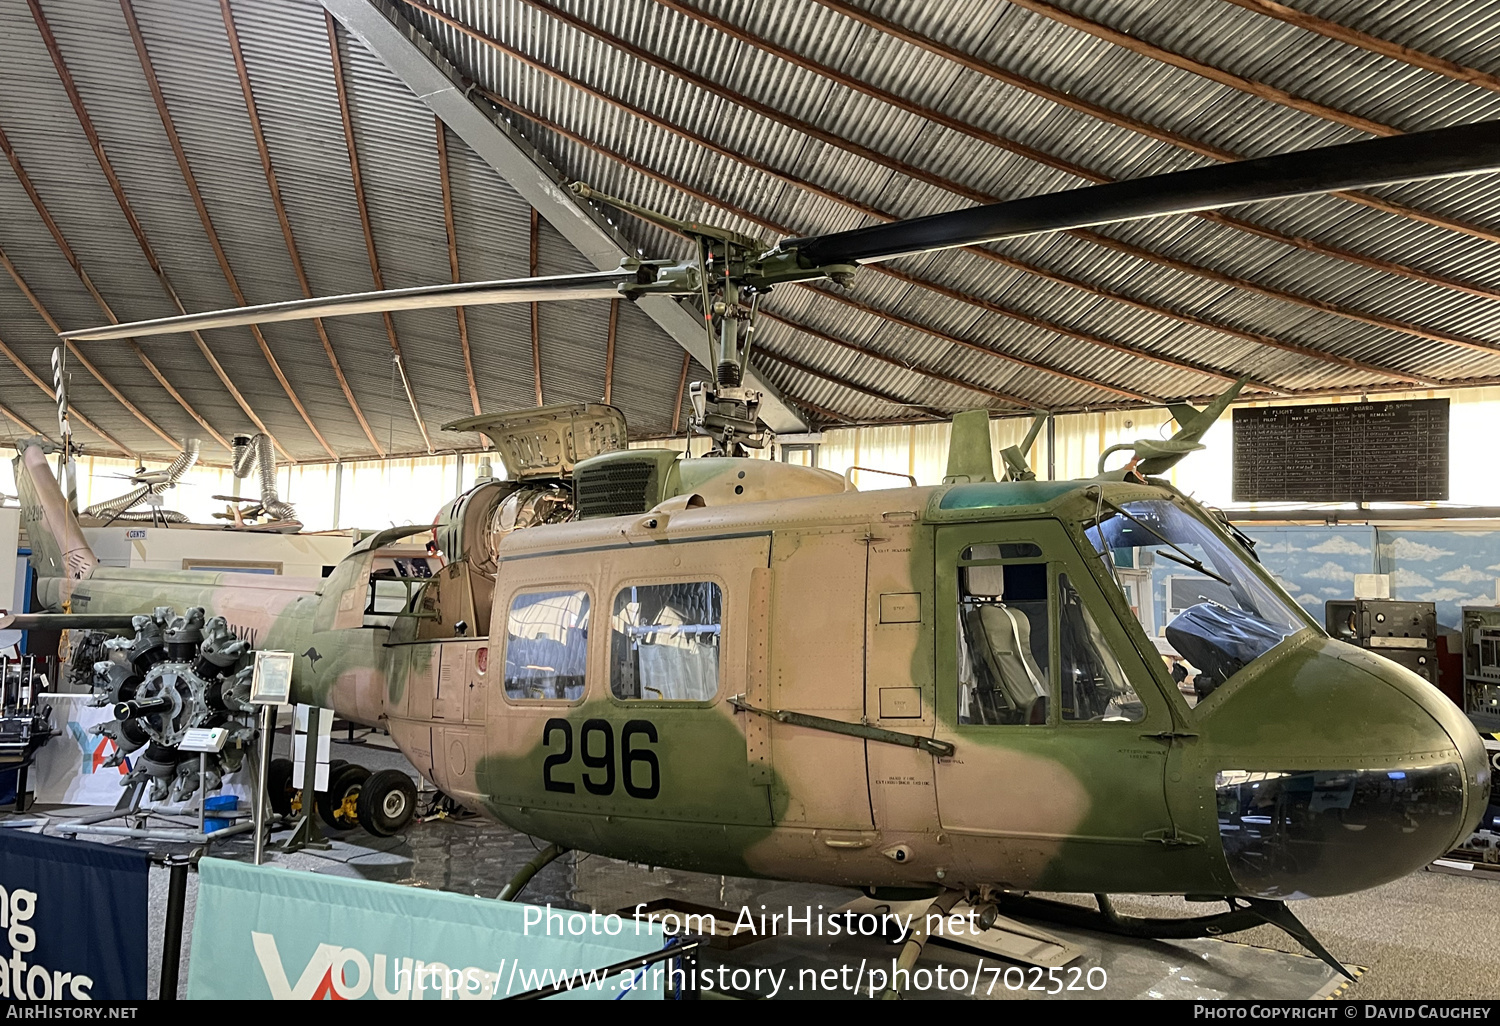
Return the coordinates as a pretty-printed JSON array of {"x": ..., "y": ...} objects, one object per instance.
[
  {"x": 664, "y": 642},
  {"x": 546, "y": 645}
]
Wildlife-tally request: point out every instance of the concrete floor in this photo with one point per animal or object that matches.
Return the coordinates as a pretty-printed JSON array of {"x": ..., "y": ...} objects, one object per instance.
[{"x": 1426, "y": 936}]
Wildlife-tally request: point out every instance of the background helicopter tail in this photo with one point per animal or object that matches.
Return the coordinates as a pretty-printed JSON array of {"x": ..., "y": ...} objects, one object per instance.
[
  {"x": 59, "y": 552},
  {"x": 971, "y": 456},
  {"x": 1158, "y": 455}
]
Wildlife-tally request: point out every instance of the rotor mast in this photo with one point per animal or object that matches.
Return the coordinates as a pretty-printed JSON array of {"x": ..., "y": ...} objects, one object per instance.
[{"x": 729, "y": 276}]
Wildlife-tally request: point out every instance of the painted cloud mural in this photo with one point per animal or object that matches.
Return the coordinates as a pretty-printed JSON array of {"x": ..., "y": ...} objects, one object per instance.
[
  {"x": 1450, "y": 568},
  {"x": 1340, "y": 545},
  {"x": 1402, "y": 549},
  {"x": 1466, "y": 575},
  {"x": 1331, "y": 572},
  {"x": 1408, "y": 579}
]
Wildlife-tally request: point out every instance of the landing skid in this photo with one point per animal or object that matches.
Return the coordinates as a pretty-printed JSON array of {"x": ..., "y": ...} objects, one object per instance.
[{"x": 1243, "y": 914}]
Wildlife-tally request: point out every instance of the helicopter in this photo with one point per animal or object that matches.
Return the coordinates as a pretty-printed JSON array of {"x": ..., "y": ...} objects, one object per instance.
[
  {"x": 142, "y": 476},
  {"x": 747, "y": 667}
]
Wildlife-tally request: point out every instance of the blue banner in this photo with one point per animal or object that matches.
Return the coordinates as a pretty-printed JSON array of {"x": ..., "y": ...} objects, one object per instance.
[
  {"x": 273, "y": 933},
  {"x": 73, "y": 920}
]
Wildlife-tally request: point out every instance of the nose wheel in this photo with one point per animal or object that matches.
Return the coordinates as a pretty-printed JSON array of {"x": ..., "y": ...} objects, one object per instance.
[
  {"x": 337, "y": 804},
  {"x": 383, "y": 803},
  {"x": 386, "y": 803}
]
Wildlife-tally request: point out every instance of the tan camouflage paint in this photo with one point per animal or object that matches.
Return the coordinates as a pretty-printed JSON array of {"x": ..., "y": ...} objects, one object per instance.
[{"x": 831, "y": 601}]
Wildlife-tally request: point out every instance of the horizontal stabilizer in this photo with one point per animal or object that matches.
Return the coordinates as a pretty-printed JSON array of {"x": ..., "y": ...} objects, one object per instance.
[{"x": 67, "y": 622}]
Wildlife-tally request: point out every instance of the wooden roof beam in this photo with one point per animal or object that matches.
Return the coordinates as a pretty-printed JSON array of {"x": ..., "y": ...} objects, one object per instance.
[
  {"x": 72, "y": 259},
  {"x": 1048, "y": 160},
  {"x": 979, "y": 196},
  {"x": 47, "y": 389},
  {"x": 252, "y": 111},
  {"x": 1365, "y": 41},
  {"x": 87, "y": 364},
  {"x": 364, "y": 220},
  {"x": 536, "y": 320},
  {"x": 832, "y": 139},
  {"x": 14, "y": 418},
  {"x": 191, "y": 181},
  {"x": 83, "y": 276},
  {"x": 442, "y": 88},
  {"x": 1010, "y": 78},
  {"x": 1208, "y": 71},
  {"x": 609, "y": 350},
  {"x": 979, "y": 347},
  {"x": 911, "y": 368},
  {"x": 87, "y": 124},
  {"x": 824, "y": 412},
  {"x": 761, "y": 352},
  {"x": 687, "y": 363},
  {"x": 880, "y": 268},
  {"x": 990, "y": 255}
]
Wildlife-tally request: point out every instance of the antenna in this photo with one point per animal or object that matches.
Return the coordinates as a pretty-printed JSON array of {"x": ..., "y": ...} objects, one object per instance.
[
  {"x": 68, "y": 466},
  {"x": 1014, "y": 456}
]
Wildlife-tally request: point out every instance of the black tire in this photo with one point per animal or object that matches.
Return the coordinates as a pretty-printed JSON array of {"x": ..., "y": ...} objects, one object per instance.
[
  {"x": 334, "y": 765},
  {"x": 279, "y": 787},
  {"x": 342, "y": 783},
  {"x": 387, "y": 802}
]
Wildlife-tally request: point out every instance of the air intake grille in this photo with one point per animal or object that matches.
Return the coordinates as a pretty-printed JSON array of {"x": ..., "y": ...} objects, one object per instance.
[{"x": 616, "y": 488}]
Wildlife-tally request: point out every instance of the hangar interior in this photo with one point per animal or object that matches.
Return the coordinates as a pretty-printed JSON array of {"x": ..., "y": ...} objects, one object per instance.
[{"x": 1307, "y": 369}]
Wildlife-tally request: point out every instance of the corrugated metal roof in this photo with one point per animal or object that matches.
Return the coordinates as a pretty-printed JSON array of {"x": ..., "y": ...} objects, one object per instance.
[
  {"x": 705, "y": 125},
  {"x": 1104, "y": 73}
]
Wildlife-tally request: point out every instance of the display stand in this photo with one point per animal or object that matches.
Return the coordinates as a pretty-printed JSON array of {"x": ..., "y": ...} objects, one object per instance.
[
  {"x": 258, "y": 795},
  {"x": 129, "y": 806},
  {"x": 306, "y": 833},
  {"x": 270, "y": 686}
]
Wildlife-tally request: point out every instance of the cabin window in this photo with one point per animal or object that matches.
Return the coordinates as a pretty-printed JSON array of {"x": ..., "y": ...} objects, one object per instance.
[
  {"x": 1003, "y": 639},
  {"x": 1094, "y": 686},
  {"x": 664, "y": 642},
  {"x": 1195, "y": 588},
  {"x": 389, "y": 595},
  {"x": 546, "y": 645}
]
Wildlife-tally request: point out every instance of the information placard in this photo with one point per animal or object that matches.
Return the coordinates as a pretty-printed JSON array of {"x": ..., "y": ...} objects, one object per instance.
[
  {"x": 1342, "y": 452},
  {"x": 271, "y": 683}
]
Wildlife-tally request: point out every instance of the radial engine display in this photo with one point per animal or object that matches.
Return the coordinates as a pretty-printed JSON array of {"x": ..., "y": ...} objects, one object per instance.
[{"x": 177, "y": 673}]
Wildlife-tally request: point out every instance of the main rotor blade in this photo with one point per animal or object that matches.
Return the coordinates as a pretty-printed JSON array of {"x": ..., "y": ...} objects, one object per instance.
[
  {"x": 594, "y": 285},
  {"x": 1445, "y": 152}
]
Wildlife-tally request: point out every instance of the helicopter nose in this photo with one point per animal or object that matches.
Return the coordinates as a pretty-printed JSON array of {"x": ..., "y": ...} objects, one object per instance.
[{"x": 1338, "y": 771}]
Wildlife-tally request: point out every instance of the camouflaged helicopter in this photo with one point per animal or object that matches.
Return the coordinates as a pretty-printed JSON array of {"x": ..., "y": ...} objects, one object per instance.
[{"x": 747, "y": 667}]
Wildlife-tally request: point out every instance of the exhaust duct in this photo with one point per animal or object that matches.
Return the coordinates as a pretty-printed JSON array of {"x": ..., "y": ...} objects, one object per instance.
[
  {"x": 252, "y": 453},
  {"x": 121, "y": 508}
]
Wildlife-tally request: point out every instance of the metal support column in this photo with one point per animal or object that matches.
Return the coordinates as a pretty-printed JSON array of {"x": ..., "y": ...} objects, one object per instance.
[
  {"x": 384, "y": 30},
  {"x": 171, "y": 942},
  {"x": 263, "y": 767}
]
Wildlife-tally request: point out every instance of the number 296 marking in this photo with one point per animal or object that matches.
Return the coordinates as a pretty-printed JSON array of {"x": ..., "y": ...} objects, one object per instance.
[{"x": 637, "y": 767}]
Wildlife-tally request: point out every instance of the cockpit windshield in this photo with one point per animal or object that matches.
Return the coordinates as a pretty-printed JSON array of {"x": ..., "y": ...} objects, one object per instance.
[{"x": 1204, "y": 606}]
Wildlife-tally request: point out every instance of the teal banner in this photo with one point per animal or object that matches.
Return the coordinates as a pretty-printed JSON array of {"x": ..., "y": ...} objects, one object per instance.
[{"x": 271, "y": 933}]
